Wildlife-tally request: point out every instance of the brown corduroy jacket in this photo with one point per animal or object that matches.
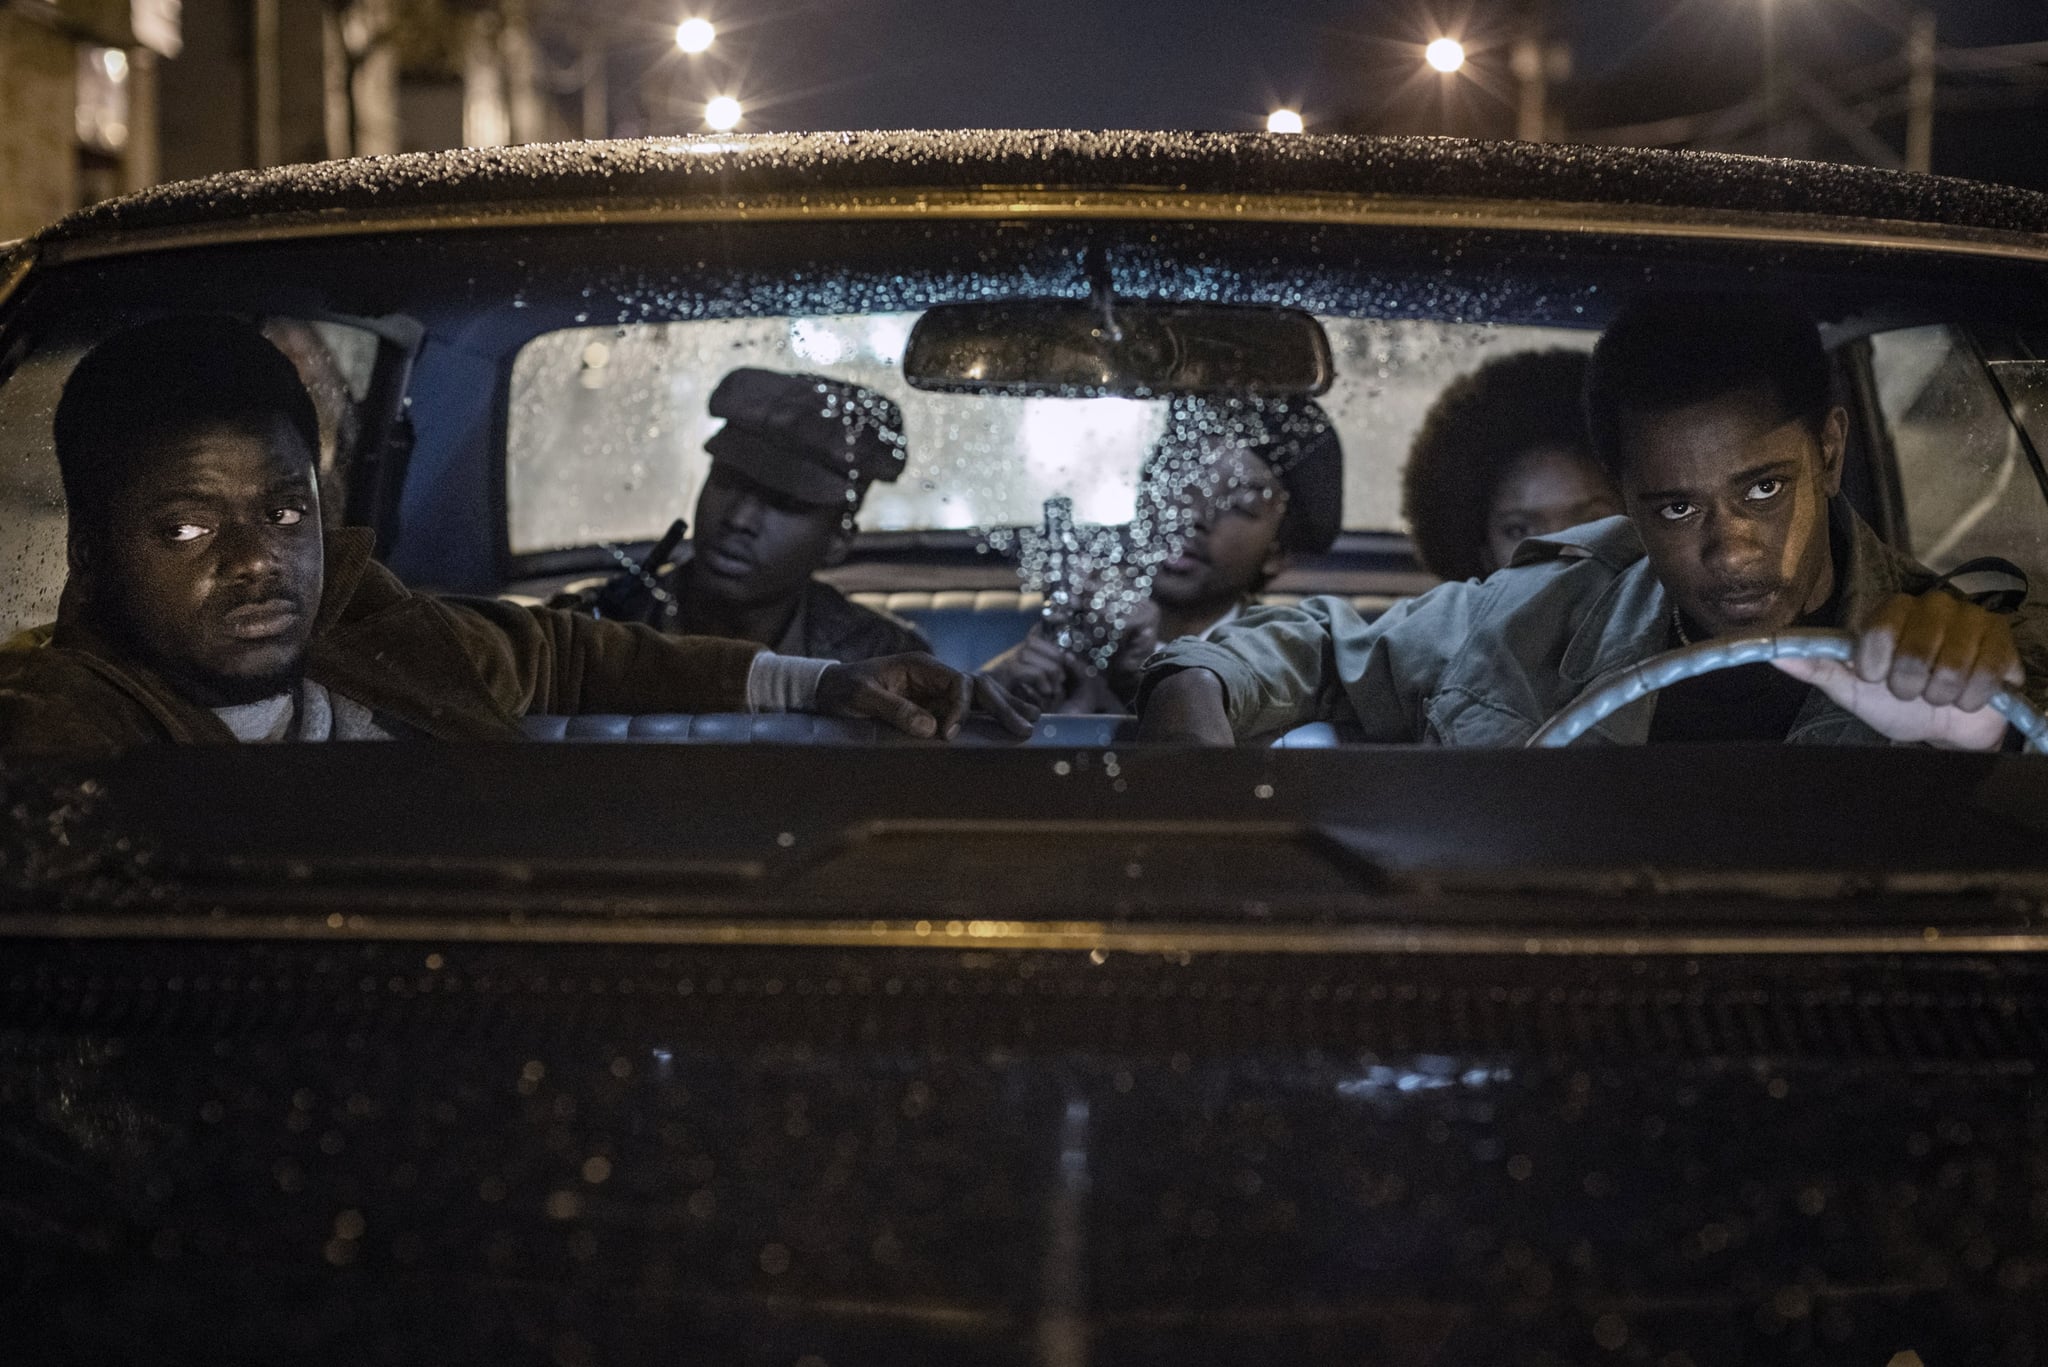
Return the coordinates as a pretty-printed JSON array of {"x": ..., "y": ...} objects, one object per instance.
[{"x": 447, "y": 668}]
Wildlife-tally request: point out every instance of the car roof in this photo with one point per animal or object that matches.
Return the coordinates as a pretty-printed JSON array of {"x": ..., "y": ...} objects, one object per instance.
[{"x": 365, "y": 191}]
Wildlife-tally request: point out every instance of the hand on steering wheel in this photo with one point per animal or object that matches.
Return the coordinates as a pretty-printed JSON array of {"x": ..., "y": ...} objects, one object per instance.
[
  {"x": 1838, "y": 648},
  {"x": 1924, "y": 669}
]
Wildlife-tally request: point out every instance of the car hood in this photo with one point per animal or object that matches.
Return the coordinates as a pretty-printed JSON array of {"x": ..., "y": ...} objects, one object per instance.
[{"x": 403, "y": 1153}]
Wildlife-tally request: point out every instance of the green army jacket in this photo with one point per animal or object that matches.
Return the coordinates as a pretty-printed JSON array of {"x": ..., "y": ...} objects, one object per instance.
[
  {"x": 1487, "y": 662},
  {"x": 446, "y": 668}
]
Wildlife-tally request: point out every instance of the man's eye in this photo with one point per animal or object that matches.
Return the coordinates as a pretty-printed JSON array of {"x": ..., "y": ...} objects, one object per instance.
[
  {"x": 1675, "y": 512},
  {"x": 184, "y": 531},
  {"x": 287, "y": 517},
  {"x": 1764, "y": 490},
  {"x": 1514, "y": 531}
]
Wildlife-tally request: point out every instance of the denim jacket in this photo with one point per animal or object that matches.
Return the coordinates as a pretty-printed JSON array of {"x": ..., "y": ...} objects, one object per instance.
[{"x": 1486, "y": 662}]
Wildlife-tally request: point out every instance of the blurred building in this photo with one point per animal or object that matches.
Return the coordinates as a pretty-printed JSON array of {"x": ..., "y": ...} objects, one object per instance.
[
  {"x": 78, "y": 102},
  {"x": 102, "y": 96}
]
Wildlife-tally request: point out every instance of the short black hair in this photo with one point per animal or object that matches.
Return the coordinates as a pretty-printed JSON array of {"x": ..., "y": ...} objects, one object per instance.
[
  {"x": 1475, "y": 430},
  {"x": 1673, "y": 349},
  {"x": 159, "y": 381}
]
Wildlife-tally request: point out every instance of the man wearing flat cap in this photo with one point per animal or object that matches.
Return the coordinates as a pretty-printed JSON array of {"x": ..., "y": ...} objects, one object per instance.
[
  {"x": 788, "y": 473},
  {"x": 1234, "y": 486}
]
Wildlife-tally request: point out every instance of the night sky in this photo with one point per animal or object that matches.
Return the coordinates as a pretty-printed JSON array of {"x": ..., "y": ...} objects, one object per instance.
[{"x": 1223, "y": 64}]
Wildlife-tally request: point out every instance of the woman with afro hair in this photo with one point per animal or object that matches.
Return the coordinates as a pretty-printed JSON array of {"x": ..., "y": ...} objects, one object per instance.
[{"x": 1502, "y": 456}]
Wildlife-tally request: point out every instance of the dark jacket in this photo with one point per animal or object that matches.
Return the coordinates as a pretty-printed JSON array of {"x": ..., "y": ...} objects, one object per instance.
[
  {"x": 827, "y": 626},
  {"x": 447, "y": 668},
  {"x": 830, "y": 626}
]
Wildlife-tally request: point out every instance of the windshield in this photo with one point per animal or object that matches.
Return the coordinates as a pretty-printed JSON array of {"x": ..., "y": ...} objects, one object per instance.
[{"x": 556, "y": 439}]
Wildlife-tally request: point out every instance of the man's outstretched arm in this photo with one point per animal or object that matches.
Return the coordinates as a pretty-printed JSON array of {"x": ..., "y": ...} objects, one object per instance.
[
  {"x": 550, "y": 660},
  {"x": 1186, "y": 707},
  {"x": 1278, "y": 667}
]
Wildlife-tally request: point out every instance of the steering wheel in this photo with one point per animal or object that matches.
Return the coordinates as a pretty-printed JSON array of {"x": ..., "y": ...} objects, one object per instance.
[{"x": 1589, "y": 709}]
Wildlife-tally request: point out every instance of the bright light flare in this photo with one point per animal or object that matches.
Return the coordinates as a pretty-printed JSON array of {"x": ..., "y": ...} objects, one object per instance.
[
  {"x": 722, "y": 115},
  {"x": 1284, "y": 121},
  {"x": 695, "y": 35},
  {"x": 1445, "y": 54}
]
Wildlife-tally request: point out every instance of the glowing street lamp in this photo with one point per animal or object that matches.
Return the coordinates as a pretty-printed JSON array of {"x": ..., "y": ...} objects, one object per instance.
[
  {"x": 695, "y": 35},
  {"x": 1284, "y": 121},
  {"x": 1445, "y": 54},
  {"x": 722, "y": 115}
]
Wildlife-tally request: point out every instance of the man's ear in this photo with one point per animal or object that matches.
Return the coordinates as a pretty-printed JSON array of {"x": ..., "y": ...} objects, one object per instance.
[
  {"x": 1834, "y": 442},
  {"x": 81, "y": 564},
  {"x": 81, "y": 557},
  {"x": 838, "y": 548}
]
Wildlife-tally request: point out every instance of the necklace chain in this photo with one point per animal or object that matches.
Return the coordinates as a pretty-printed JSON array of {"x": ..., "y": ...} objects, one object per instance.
[{"x": 1678, "y": 625}]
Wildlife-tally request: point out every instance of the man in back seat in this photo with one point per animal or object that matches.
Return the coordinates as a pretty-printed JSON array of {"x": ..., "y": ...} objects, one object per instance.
[
  {"x": 789, "y": 470},
  {"x": 205, "y": 602},
  {"x": 1233, "y": 487}
]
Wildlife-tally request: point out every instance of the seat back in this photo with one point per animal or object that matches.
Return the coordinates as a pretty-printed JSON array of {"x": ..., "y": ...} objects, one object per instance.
[{"x": 967, "y": 627}]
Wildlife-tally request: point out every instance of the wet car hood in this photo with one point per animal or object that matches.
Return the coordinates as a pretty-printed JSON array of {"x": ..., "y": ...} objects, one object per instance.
[
  {"x": 439, "y": 1104},
  {"x": 666, "y": 835},
  {"x": 400, "y": 1153}
]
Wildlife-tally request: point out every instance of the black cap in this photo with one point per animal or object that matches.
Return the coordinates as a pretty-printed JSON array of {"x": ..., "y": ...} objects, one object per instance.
[
  {"x": 806, "y": 436},
  {"x": 1293, "y": 436}
]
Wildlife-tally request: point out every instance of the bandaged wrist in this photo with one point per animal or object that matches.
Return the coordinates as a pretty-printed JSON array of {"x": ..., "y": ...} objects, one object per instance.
[{"x": 784, "y": 683}]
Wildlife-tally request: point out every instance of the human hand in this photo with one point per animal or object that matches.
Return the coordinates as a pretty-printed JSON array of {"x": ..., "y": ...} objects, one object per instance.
[
  {"x": 1037, "y": 670},
  {"x": 1186, "y": 707},
  {"x": 1925, "y": 669},
  {"x": 919, "y": 696}
]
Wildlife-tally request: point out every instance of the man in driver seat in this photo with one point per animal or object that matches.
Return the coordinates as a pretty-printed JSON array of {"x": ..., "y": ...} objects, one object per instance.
[
  {"x": 1715, "y": 417},
  {"x": 789, "y": 470},
  {"x": 205, "y": 601}
]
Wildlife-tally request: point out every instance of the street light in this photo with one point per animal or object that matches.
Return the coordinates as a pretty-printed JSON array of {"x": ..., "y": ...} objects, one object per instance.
[
  {"x": 1284, "y": 121},
  {"x": 722, "y": 115},
  {"x": 1445, "y": 54},
  {"x": 695, "y": 35}
]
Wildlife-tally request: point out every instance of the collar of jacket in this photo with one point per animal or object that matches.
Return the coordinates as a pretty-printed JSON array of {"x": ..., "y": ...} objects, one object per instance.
[
  {"x": 1629, "y": 622},
  {"x": 347, "y": 555}
]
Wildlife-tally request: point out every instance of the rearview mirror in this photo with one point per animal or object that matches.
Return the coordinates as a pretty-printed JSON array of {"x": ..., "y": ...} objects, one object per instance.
[{"x": 1127, "y": 350}]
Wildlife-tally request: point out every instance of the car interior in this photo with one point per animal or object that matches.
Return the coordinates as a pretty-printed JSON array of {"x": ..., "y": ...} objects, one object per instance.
[{"x": 523, "y": 411}]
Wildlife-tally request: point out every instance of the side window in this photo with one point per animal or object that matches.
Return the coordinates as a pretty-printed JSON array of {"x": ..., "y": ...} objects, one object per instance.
[
  {"x": 31, "y": 495},
  {"x": 1968, "y": 487}
]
